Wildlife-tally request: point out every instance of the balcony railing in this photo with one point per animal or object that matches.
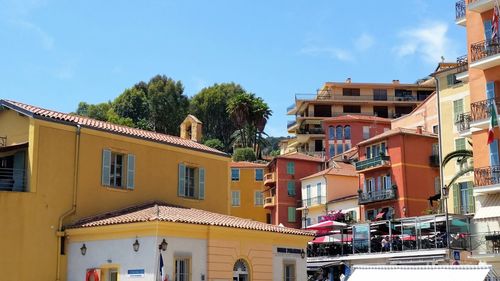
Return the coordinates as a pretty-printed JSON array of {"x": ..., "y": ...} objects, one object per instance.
[
  {"x": 327, "y": 95},
  {"x": 374, "y": 196},
  {"x": 460, "y": 10},
  {"x": 291, "y": 123},
  {"x": 319, "y": 131},
  {"x": 482, "y": 109},
  {"x": 372, "y": 162},
  {"x": 463, "y": 64},
  {"x": 485, "y": 176},
  {"x": 314, "y": 201},
  {"x": 269, "y": 202},
  {"x": 462, "y": 121},
  {"x": 13, "y": 179},
  {"x": 483, "y": 49},
  {"x": 434, "y": 160},
  {"x": 290, "y": 107},
  {"x": 269, "y": 179}
]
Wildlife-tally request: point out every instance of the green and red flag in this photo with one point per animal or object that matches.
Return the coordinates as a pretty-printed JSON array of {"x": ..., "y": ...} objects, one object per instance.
[{"x": 493, "y": 122}]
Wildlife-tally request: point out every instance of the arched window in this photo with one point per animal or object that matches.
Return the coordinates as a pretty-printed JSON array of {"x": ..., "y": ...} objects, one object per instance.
[
  {"x": 339, "y": 132},
  {"x": 241, "y": 271},
  {"x": 331, "y": 133},
  {"x": 347, "y": 132}
]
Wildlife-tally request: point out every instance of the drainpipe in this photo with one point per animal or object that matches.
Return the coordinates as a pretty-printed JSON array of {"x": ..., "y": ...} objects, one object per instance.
[
  {"x": 60, "y": 232},
  {"x": 441, "y": 177}
]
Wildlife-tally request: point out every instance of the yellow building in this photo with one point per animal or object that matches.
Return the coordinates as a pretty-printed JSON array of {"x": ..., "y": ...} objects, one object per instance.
[
  {"x": 57, "y": 168},
  {"x": 454, "y": 99},
  {"x": 247, "y": 183}
]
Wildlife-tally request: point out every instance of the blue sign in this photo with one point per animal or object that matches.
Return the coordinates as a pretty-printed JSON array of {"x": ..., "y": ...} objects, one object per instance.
[
  {"x": 135, "y": 272},
  {"x": 456, "y": 255}
]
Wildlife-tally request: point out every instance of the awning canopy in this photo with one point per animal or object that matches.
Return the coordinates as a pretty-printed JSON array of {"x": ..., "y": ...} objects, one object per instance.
[
  {"x": 490, "y": 207},
  {"x": 418, "y": 273},
  {"x": 325, "y": 225},
  {"x": 321, "y": 264}
]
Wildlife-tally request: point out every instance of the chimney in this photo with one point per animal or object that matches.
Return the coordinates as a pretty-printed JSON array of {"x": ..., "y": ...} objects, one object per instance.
[
  {"x": 419, "y": 130},
  {"x": 395, "y": 81},
  {"x": 191, "y": 128},
  {"x": 348, "y": 80}
]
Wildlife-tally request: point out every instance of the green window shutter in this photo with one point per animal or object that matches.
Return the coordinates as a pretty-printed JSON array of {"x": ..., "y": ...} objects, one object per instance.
[
  {"x": 201, "y": 183},
  {"x": 106, "y": 167},
  {"x": 291, "y": 188},
  {"x": 182, "y": 187},
  {"x": 130, "y": 171},
  {"x": 470, "y": 195},
  {"x": 458, "y": 107},
  {"x": 456, "y": 199},
  {"x": 291, "y": 214},
  {"x": 460, "y": 144},
  {"x": 291, "y": 168}
]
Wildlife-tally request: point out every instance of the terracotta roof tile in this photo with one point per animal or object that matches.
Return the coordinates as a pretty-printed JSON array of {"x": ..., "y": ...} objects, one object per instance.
[
  {"x": 160, "y": 211},
  {"x": 300, "y": 156},
  {"x": 106, "y": 126},
  {"x": 246, "y": 164},
  {"x": 397, "y": 131},
  {"x": 340, "y": 168}
]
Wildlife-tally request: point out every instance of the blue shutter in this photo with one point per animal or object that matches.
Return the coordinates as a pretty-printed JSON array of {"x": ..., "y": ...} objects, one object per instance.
[
  {"x": 182, "y": 187},
  {"x": 106, "y": 167},
  {"x": 19, "y": 173},
  {"x": 201, "y": 183},
  {"x": 130, "y": 171},
  {"x": 487, "y": 30}
]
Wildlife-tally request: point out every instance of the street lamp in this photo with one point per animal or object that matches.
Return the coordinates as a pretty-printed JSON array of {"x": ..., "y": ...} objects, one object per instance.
[
  {"x": 163, "y": 245},
  {"x": 83, "y": 249},
  {"x": 136, "y": 245}
]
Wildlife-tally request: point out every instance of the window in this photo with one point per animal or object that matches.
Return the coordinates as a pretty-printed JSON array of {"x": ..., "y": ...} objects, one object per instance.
[
  {"x": 289, "y": 272},
  {"x": 400, "y": 93},
  {"x": 366, "y": 132},
  {"x": 291, "y": 188},
  {"x": 259, "y": 174},
  {"x": 318, "y": 193},
  {"x": 308, "y": 195},
  {"x": 375, "y": 150},
  {"x": 460, "y": 144},
  {"x": 339, "y": 133},
  {"x": 435, "y": 129},
  {"x": 291, "y": 214},
  {"x": 347, "y": 132},
  {"x": 235, "y": 174},
  {"x": 381, "y": 111},
  {"x": 340, "y": 148},
  {"x": 386, "y": 182},
  {"x": 182, "y": 269},
  {"x": 383, "y": 149},
  {"x": 368, "y": 152},
  {"x": 370, "y": 185},
  {"x": 235, "y": 198},
  {"x": 458, "y": 108},
  {"x": 370, "y": 215},
  {"x": 331, "y": 133},
  {"x": 258, "y": 198},
  {"x": 352, "y": 109},
  {"x": 451, "y": 79},
  {"x": 379, "y": 94},
  {"x": 113, "y": 167},
  {"x": 290, "y": 168},
  {"x": 191, "y": 182},
  {"x": 463, "y": 199},
  {"x": 331, "y": 149},
  {"x": 113, "y": 275},
  {"x": 437, "y": 185},
  {"x": 351, "y": 92},
  {"x": 347, "y": 146}
]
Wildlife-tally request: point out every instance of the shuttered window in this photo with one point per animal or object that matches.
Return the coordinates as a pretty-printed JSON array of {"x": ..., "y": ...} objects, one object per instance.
[
  {"x": 290, "y": 168},
  {"x": 458, "y": 108},
  {"x": 106, "y": 167},
  {"x": 291, "y": 188},
  {"x": 259, "y": 174},
  {"x": 291, "y": 214},
  {"x": 235, "y": 198},
  {"x": 258, "y": 198},
  {"x": 201, "y": 183},
  {"x": 191, "y": 182},
  {"x": 130, "y": 171}
]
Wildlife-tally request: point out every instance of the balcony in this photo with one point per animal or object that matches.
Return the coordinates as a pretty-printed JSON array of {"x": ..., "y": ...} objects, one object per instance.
[
  {"x": 480, "y": 113},
  {"x": 462, "y": 122},
  {"x": 291, "y": 123},
  {"x": 480, "y": 5},
  {"x": 269, "y": 179},
  {"x": 290, "y": 107},
  {"x": 485, "y": 245},
  {"x": 375, "y": 162},
  {"x": 269, "y": 202},
  {"x": 434, "y": 160},
  {"x": 376, "y": 196},
  {"x": 314, "y": 201},
  {"x": 485, "y": 54},
  {"x": 13, "y": 179},
  {"x": 462, "y": 71},
  {"x": 487, "y": 180},
  {"x": 311, "y": 131},
  {"x": 460, "y": 13}
]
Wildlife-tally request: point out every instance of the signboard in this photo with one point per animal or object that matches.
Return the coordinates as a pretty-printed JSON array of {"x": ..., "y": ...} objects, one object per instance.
[
  {"x": 456, "y": 255},
  {"x": 135, "y": 273},
  {"x": 361, "y": 238}
]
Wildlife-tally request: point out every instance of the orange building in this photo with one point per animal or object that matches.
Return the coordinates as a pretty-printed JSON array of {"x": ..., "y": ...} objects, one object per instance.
[
  {"x": 424, "y": 115},
  {"x": 398, "y": 173},
  {"x": 247, "y": 184}
]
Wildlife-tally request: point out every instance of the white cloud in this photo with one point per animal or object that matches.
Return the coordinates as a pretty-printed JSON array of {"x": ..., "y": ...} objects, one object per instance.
[
  {"x": 46, "y": 40},
  {"x": 429, "y": 41},
  {"x": 364, "y": 42},
  {"x": 332, "y": 52}
]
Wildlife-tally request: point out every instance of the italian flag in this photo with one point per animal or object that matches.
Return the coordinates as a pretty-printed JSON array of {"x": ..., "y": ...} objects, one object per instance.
[{"x": 493, "y": 122}]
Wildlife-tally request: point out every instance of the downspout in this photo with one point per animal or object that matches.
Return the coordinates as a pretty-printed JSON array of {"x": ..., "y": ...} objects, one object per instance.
[
  {"x": 60, "y": 232},
  {"x": 404, "y": 177}
]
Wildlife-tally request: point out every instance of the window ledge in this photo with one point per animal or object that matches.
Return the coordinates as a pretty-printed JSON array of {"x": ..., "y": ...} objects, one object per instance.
[{"x": 118, "y": 189}]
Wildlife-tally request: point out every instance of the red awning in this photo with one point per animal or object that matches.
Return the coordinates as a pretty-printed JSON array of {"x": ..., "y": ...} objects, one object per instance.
[
  {"x": 326, "y": 225},
  {"x": 332, "y": 238},
  {"x": 380, "y": 216}
]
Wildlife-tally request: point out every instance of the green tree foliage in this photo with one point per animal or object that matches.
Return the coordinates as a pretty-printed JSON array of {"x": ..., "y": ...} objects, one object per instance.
[
  {"x": 214, "y": 143},
  {"x": 96, "y": 111},
  {"x": 244, "y": 154}
]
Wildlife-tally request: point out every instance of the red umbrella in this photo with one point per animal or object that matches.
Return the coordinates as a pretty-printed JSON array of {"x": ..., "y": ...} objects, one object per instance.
[{"x": 326, "y": 225}]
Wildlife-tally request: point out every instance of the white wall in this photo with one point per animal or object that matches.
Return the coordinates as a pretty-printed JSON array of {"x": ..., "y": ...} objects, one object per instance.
[
  {"x": 346, "y": 206},
  {"x": 313, "y": 182},
  {"x": 120, "y": 252},
  {"x": 280, "y": 258}
]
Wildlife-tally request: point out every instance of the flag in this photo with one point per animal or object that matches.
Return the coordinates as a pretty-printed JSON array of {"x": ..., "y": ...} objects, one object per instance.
[
  {"x": 493, "y": 122},
  {"x": 494, "y": 23},
  {"x": 162, "y": 277}
]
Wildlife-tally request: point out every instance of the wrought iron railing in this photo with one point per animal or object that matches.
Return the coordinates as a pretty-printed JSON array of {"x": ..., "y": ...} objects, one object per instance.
[
  {"x": 313, "y": 201},
  {"x": 483, "y": 49},
  {"x": 372, "y": 162},
  {"x": 311, "y": 131},
  {"x": 462, "y": 64},
  {"x": 328, "y": 95},
  {"x": 460, "y": 10},
  {"x": 462, "y": 121},
  {"x": 13, "y": 179},
  {"x": 482, "y": 109},
  {"x": 485, "y": 176},
  {"x": 380, "y": 195}
]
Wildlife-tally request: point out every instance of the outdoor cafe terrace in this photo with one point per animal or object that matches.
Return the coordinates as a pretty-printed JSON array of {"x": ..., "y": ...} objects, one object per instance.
[{"x": 408, "y": 234}]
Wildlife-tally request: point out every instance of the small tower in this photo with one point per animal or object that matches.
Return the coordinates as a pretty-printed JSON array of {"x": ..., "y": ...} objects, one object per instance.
[{"x": 191, "y": 128}]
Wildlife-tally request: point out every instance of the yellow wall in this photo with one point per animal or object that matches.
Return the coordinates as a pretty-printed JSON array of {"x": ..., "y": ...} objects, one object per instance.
[
  {"x": 247, "y": 185},
  {"x": 29, "y": 220},
  {"x": 16, "y": 129},
  {"x": 449, "y": 133}
]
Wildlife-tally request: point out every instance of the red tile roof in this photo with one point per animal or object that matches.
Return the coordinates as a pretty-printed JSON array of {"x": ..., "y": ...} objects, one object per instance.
[
  {"x": 86, "y": 122},
  {"x": 300, "y": 156},
  {"x": 397, "y": 131},
  {"x": 160, "y": 211},
  {"x": 340, "y": 169},
  {"x": 246, "y": 164}
]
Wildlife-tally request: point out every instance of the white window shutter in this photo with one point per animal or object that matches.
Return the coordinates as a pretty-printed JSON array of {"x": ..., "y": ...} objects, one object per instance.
[
  {"x": 106, "y": 167},
  {"x": 182, "y": 187},
  {"x": 201, "y": 183},
  {"x": 130, "y": 171}
]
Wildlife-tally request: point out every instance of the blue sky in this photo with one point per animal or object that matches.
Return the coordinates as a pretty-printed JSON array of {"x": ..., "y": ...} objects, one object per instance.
[{"x": 56, "y": 53}]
